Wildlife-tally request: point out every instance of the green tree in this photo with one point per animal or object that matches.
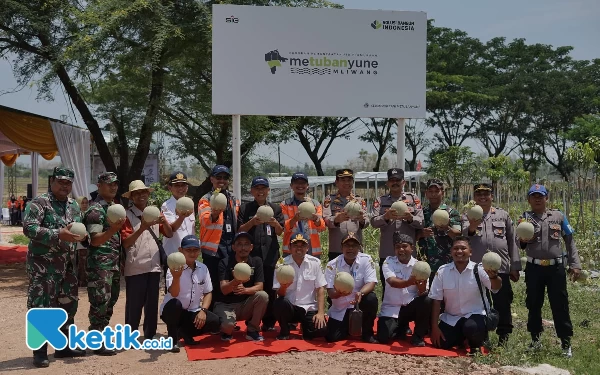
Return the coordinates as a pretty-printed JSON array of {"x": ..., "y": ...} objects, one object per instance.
[
  {"x": 581, "y": 158},
  {"x": 380, "y": 133},
  {"x": 455, "y": 166}
]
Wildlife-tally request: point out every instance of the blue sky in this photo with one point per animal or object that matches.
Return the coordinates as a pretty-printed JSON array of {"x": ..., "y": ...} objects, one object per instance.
[{"x": 555, "y": 22}]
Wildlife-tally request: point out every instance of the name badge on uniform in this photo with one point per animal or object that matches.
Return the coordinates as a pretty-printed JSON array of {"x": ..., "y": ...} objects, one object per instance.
[
  {"x": 268, "y": 230},
  {"x": 228, "y": 228}
]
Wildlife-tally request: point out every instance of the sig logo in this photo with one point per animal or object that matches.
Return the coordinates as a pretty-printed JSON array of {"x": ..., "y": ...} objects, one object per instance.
[{"x": 232, "y": 19}]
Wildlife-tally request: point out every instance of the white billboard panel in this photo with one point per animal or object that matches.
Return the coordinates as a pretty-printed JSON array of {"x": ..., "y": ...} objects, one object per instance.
[{"x": 318, "y": 62}]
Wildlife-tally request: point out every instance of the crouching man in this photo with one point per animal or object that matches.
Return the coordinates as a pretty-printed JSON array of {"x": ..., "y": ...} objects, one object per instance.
[
  {"x": 362, "y": 268},
  {"x": 405, "y": 299},
  {"x": 241, "y": 300},
  {"x": 185, "y": 307},
  {"x": 302, "y": 300},
  {"x": 464, "y": 312}
]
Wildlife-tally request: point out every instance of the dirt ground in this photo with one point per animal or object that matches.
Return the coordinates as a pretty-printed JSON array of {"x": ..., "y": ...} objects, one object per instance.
[{"x": 15, "y": 358}]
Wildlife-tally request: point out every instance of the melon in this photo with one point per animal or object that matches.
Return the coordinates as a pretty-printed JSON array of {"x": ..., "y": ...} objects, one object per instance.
[
  {"x": 344, "y": 282},
  {"x": 285, "y": 274},
  {"x": 218, "y": 201},
  {"x": 523, "y": 262},
  {"x": 151, "y": 214},
  {"x": 491, "y": 261},
  {"x": 525, "y": 231},
  {"x": 440, "y": 218},
  {"x": 265, "y": 213},
  {"x": 400, "y": 207},
  {"x": 242, "y": 272},
  {"x": 184, "y": 205},
  {"x": 115, "y": 213},
  {"x": 583, "y": 276},
  {"x": 176, "y": 260},
  {"x": 353, "y": 209},
  {"x": 79, "y": 230},
  {"x": 421, "y": 271},
  {"x": 306, "y": 209},
  {"x": 475, "y": 212}
]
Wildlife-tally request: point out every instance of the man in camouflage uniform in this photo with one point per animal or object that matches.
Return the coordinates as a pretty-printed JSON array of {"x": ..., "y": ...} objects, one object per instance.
[
  {"x": 51, "y": 255},
  {"x": 337, "y": 220},
  {"x": 103, "y": 259},
  {"x": 435, "y": 242}
]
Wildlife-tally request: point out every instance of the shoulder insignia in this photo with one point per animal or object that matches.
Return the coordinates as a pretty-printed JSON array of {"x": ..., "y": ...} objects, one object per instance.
[
  {"x": 329, "y": 267},
  {"x": 376, "y": 204},
  {"x": 327, "y": 201},
  {"x": 363, "y": 204}
]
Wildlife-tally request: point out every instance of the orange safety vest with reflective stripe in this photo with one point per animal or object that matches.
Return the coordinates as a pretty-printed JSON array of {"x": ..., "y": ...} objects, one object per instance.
[
  {"x": 311, "y": 230},
  {"x": 210, "y": 232}
]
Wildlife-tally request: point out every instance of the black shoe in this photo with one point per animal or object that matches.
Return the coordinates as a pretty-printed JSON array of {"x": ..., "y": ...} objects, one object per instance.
[
  {"x": 104, "y": 351},
  {"x": 69, "y": 353},
  {"x": 474, "y": 352},
  {"x": 370, "y": 340},
  {"x": 293, "y": 326},
  {"x": 408, "y": 331},
  {"x": 40, "y": 357},
  {"x": 417, "y": 341},
  {"x": 190, "y": 341},
  {"x": 175, "y": 349},
  {"x": 268, "y": 328},
  {"x": 236, "y": 328},
  {"x": 283, "y": 337}
]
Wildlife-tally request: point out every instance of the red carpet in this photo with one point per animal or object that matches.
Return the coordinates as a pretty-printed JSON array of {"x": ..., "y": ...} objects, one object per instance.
[
  {"x": 211, "y": 347},
  {"x": 13, "y": 254}
]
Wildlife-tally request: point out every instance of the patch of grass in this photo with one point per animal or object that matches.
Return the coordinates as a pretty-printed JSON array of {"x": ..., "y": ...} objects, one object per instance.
[
  {"x": 584, "y": 306},
  {"x": 20, "y": 239}
]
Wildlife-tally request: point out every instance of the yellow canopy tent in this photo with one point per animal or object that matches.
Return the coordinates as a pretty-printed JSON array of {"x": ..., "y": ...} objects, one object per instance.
[{"x": 24, "y": 133}]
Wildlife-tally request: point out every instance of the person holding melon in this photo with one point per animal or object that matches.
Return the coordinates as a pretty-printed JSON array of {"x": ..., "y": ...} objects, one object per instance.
[
  {"x": 539, "y": 232},
  {"x": 344, "y": 212},
  {"x": 189, "y": 294},
  {"x": 490, "y": 229},
  {"x": 264, "y": 222},
  {"x": 300, "y": 286},
  {"x": 406, "y": 297},
  {"x": 351, "y": 280},
  {"x": 241, "y": 280}
]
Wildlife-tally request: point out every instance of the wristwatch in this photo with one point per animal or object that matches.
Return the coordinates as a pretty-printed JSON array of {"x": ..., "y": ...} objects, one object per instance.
[{"x": 202, "y": 309}]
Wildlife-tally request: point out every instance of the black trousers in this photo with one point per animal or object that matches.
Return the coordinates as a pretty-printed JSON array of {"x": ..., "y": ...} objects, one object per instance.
[
  {"x": 212, "y": 263},
  {"x": 418, "y": 311},
  {"x": 141, "y": 293},
  {"x": 472, "y": 329},
  {"x": 286, "y": 312},
  {"x": 269, "y": 319},
  {"x": 537, "y": 279},
  {"x": 381, "y": 277},
  {"x": 502, "y": 302},
  {"x": 338, "y": 330},
  {"x": 179, "y": 319}
]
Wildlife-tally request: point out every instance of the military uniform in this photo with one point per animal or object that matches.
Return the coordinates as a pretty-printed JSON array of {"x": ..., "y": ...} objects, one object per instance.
[
  {"x": 50, "y": 263},
  {"x": 495, "y": 233},
  {"x": 436, "y": 250},
  {"x": 545, "y": 268},
  {"x": 103, "y": 262},
  {"x": 335, "y": 203}
]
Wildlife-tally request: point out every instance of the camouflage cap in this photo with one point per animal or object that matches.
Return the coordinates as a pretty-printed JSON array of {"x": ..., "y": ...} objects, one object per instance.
[
  {"x": 63, "y": 173},
  {"x": 107, "y": 177}
]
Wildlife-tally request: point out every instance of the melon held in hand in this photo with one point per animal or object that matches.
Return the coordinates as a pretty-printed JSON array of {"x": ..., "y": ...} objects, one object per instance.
[
  {"x": 242, "y": 272},
  {"x": 151, "y": 214},
  {"x": 115, "y": 213},
  {"x": 491, "y": 261},
  {"x": 525, "y": 231},
  {"x": 184, "y": 205},
  {"x": 265, "y": 213},
  {"x": 79, "y": 230},
  {"x": 306, "y": 210},
  {"x": 218, "y": 201},
  {"x": 353, "y": 209},
  {"x": 285, "y": 274},
  {"x": 421, "y": 271},
  {"x": 176, "y": 260},
  {"x": 344, "y": 282},
  {"x": 475, "y": 213},
  {"x": 440, "y": 218},
  {"x": 400, "y": 207}
]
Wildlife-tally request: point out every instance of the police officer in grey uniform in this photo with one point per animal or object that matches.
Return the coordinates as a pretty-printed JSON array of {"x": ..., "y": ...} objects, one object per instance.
[
  {"x": 388, "y": 221},
  {"x": 545, "y": 267},
  {"x": 494, "y": 232},
  {"x": 337, "y": 220}
]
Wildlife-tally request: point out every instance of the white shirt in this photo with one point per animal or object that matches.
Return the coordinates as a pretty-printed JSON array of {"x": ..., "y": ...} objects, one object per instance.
[
  {"x": 193, "y": 285},
  {"x": 459, "y": 291},
  {"x": 395, "y": 298},
  {"x": 188, "y": 226},
  {"x": 363, "y": 271},
  {"x": 307, "y": 278}
]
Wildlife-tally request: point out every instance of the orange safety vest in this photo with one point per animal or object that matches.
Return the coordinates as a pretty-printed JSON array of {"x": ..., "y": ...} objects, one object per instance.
[
  {"x": 9, "y": 204},
  {"x": 210, "y": 232},
  {"x": 289, "y": 209},
  {"x": 20, "y": 204}
]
